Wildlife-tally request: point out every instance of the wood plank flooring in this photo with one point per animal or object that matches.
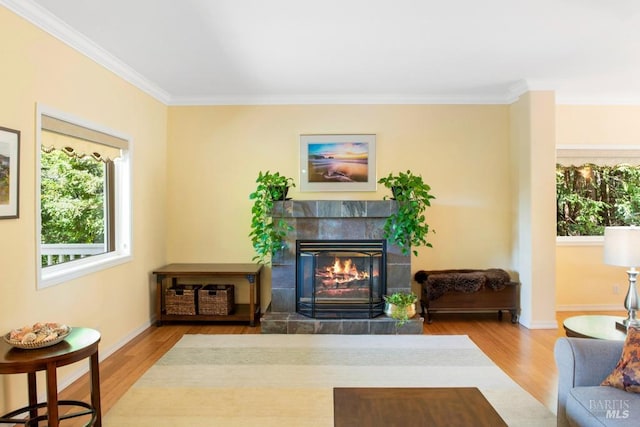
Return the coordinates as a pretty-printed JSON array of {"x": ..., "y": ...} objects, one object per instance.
[{"x": 525, "y": 355}]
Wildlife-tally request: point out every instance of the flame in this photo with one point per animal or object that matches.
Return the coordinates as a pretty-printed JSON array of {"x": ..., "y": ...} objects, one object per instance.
[{"x": 342, "y": 272}]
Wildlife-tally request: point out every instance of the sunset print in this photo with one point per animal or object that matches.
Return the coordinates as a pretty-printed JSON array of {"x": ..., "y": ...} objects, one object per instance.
[{"x": 338, "y": 162}]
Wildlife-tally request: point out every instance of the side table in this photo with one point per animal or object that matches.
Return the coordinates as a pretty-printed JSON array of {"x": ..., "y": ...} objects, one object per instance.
[
  {"x": 594, "y": 326},
  {"x": 81, "y": 343}
]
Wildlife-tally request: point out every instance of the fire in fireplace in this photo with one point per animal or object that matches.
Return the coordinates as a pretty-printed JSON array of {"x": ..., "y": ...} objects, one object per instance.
[{"x": 340, "y": 278}]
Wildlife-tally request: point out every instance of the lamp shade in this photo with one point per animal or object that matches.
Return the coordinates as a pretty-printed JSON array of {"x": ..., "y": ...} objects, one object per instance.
[{"x": 622, "y": 246}]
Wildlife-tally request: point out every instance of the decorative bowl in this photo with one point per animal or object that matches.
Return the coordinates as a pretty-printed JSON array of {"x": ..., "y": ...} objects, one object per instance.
[{"x": 60, "y": 336}]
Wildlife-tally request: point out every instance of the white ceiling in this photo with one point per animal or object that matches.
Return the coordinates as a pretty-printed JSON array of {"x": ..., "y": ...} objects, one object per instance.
[{"x": 356, "y": 51}]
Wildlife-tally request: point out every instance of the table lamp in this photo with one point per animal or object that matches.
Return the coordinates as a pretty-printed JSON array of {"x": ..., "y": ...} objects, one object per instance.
[{"x": 622, "y": 247}]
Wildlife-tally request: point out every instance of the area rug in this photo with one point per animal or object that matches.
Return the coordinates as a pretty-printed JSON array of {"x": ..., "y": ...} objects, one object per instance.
[{"x": 287, "y": 380}]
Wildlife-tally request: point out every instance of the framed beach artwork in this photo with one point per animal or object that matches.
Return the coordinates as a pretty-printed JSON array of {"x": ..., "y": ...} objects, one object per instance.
[
  {"x": 9, "y": 176},
  {"x": 338, "y": 162}
]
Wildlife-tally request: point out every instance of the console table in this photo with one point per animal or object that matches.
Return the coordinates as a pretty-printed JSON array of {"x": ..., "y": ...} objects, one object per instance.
[
  {"x": 170, "y": 274},
  {"x": 79, "y": 344}
]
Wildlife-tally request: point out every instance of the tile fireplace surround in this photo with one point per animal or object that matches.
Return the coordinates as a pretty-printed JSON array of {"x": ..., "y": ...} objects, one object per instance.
[{"x": 333, "y": 219}]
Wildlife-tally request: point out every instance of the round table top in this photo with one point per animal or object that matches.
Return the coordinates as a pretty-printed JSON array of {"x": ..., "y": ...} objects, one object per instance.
[
  {"x": 594, "y": 326},
  {"x": 79, "y": 344}
]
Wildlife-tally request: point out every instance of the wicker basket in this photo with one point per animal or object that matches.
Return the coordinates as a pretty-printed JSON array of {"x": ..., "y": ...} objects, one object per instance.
[
  {"x": 216, "y": 300},
  {"x": 181, "y": 299}
]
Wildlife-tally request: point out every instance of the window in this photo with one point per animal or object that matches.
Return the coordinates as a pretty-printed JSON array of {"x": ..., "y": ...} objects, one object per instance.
[
  {"x": 596, "y": 187},
  {"x": 84, "y": 203}
]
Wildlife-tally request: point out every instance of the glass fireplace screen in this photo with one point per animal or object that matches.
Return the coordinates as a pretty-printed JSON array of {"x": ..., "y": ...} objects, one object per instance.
[{"x": 340, "y": 278}]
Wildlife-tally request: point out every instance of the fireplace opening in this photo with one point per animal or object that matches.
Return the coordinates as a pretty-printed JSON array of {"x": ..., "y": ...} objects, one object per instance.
[{"x": 343, "y": 279}]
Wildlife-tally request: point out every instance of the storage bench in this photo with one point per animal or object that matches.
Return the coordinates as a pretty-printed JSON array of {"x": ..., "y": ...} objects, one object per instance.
[{"x": 467, "y": 290}]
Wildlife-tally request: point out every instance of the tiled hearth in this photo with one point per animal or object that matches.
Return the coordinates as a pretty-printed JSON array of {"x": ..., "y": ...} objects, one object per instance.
[{"x": 333, "y": 219}]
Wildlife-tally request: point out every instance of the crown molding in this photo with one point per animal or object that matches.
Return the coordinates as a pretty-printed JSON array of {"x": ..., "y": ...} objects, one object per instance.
[
  {"x": 44, "y": 20},
  {"x": 347, "y": 99},
  {"x": 519, "y": 88},
  {"x": 610, "y": 100},
  {"x": 516, "y": 90}
]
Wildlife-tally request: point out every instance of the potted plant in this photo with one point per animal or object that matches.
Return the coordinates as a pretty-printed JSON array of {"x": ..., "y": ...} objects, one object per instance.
[
  {"x": 407, "y": 227},
  {"x": 267, "y": 235},
  {"x": 400, "y": 306}
]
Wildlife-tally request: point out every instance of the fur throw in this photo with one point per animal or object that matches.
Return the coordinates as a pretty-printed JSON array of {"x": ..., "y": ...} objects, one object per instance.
[{"x": 437, "y": 282}]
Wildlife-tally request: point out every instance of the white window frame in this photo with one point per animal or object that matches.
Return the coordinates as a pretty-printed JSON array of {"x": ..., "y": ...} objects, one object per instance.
[
  {"x": 56, "y": 274},
  {"x": 598, "y": 154}
]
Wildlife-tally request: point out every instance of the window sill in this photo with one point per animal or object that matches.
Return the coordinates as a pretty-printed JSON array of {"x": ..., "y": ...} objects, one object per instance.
[
  {"x": 54, "y": 275},
  {"x": 579, "y": 240}
]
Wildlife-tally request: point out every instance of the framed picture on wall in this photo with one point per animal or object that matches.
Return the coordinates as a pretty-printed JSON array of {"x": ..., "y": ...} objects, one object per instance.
[
  {"x": 338, "y": 162},
  {"x": 9, "y": 172}
]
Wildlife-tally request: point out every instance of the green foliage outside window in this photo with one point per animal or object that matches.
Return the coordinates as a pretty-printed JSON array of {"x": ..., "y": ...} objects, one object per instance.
[
  {"x": 72, "y": 199},
  {"x": 590, "y": 197}
]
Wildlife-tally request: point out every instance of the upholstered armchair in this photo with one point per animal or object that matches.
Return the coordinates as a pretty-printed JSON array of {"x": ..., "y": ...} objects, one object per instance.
[{"x": 582, "y": 365}]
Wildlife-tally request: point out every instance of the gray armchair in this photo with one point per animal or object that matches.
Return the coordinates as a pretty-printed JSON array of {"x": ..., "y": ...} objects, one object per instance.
[{"x": 582, "y": 365}]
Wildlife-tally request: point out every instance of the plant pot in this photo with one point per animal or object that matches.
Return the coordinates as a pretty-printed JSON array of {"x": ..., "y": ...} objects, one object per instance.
[
  {"x": 395, "y": 311},
  {"x": 397, "y": 192},
  {"x": 279, "y": 192}
]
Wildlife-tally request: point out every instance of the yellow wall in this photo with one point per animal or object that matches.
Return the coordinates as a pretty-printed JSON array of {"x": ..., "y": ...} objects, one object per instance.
[
  {"x": 36, "y": 68},
  {"x": 215, "y": 154},
  {"x": 583, "y": 281}
]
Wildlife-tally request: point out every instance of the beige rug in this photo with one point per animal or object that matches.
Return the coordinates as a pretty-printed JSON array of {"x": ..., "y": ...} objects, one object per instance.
[{"x": 288, "y": 380}]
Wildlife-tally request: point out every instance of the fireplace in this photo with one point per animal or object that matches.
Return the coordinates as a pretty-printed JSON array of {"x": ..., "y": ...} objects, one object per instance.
[
  {"x": 341, "y": 279},
  {"x": 340, "y": 224}
]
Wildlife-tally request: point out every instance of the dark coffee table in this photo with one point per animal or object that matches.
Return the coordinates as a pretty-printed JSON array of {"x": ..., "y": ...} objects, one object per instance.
[{"x": 450, "y": 407}]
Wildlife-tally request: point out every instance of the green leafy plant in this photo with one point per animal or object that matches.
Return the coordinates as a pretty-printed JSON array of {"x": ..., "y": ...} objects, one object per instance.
[
  {"x": 268, "y": 235},
  {"x": 399, "y": 305},
  {"x": 407, "y": 227}
]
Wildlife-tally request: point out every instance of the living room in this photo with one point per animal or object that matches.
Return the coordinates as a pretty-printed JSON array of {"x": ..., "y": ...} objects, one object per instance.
[{"x": 490, "y": 166}]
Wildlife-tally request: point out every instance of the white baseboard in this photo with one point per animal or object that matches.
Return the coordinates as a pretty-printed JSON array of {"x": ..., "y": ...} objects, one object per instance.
[
  {"x": 539, "y": 324},
  {"x": 67, "y": 380},
  {"x": 590, "y": 307}
]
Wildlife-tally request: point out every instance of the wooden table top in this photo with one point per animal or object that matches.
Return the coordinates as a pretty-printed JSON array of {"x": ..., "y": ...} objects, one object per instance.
[
  {"x": 594, "y": 326},
  {"x": 208, "y": 268},
  {"x": 79, "y": 344},
  {"x": 449, "y": 406}
]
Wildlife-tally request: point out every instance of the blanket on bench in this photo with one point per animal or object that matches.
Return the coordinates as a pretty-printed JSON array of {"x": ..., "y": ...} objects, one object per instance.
[{"x": 438, "y": 282}]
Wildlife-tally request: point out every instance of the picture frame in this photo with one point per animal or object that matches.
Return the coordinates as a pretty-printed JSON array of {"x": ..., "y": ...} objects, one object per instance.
[
  {"x": 9, "y": 172},
  {"x": 344, "y": 162}
]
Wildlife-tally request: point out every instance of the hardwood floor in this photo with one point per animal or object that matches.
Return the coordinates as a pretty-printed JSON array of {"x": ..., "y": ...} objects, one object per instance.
[{"x": 525, "y": 355}]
